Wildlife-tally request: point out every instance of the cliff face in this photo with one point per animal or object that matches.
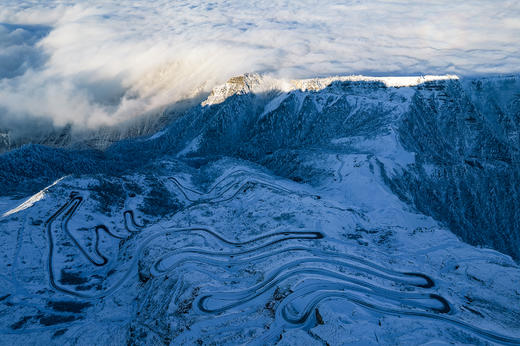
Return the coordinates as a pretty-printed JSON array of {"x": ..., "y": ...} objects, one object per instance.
[{"x": 467, "y": 160}]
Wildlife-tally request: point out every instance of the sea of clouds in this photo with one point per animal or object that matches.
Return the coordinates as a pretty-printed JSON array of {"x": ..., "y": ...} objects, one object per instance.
[{"x": 92, "y": 63}]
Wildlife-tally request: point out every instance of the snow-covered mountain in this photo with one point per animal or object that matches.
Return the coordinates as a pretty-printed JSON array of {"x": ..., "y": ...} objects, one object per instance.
[{"x": 326, "y": 211}]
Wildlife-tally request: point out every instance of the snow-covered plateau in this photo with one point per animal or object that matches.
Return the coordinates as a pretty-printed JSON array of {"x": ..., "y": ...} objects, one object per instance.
[{"x": 342, "y": 210}]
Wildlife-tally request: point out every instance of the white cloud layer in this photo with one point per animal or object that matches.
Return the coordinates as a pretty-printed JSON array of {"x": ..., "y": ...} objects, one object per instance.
[{"x": 93, "y": 62}]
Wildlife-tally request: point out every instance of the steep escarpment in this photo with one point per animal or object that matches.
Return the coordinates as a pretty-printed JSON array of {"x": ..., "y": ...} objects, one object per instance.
[{"x": 467, "y": 167}]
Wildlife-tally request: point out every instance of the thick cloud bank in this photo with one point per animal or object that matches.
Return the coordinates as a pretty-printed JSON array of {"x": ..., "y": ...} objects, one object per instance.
[{"x": 95, "y": 63}]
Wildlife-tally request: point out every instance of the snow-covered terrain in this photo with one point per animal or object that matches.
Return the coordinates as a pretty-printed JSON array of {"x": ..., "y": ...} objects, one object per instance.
[{"x": 323, "y": 211}]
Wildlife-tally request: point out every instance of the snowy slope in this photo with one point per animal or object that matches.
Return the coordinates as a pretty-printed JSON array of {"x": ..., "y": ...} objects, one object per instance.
[{"x": 275, "y": 212}]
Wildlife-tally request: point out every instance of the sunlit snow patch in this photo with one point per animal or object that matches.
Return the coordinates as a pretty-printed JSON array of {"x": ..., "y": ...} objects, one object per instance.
[
  {"x": 33, "y": 199},
  {"x": 321, "y": 83}
]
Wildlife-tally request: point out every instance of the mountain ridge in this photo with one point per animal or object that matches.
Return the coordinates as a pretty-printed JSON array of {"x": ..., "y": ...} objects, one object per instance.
[
  {"x": 275, "y": 216},
  {"x": 258, "y": 118}
]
